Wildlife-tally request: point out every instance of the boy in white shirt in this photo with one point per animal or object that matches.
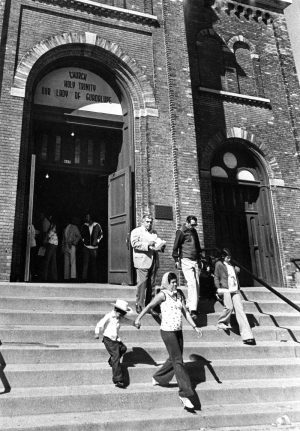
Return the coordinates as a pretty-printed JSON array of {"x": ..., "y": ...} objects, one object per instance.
[{"x": 110, "y": 325}]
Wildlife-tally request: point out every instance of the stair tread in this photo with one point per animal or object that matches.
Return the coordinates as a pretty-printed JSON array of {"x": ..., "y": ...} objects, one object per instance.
[
  {"x": 140, "y": 415},
  {"x": 50, "y": 391},
  {"x": 100, "y": 365}
]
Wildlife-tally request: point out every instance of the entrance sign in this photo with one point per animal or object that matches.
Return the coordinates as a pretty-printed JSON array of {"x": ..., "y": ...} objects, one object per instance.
[{"x": 73, "y": 88}]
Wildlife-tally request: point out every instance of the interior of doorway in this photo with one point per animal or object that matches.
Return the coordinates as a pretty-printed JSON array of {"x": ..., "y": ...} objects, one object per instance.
[{"x": 64, "y": 195}]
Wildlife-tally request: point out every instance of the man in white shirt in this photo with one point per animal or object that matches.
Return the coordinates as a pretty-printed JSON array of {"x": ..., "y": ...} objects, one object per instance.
[{"x": 145, "y": 243}]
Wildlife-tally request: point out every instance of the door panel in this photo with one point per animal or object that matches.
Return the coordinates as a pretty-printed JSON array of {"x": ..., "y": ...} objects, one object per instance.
[
  {"x": 242, "y": 220},
  {"x": 119, "y": 224},
  {"x": 29, "y": 222}
]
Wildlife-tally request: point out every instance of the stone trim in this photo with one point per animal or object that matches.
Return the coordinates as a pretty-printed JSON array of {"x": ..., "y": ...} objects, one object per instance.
[
  {"x": 240, "y": 38},
  {"x": 106, "y": 10},
  {"x": 250, "y": 141},
  {"x": 33, "y": 55},
  {"x": 237, "y": 97}
]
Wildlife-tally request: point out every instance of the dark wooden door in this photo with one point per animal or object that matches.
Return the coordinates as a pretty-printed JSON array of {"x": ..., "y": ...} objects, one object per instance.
[
  {"x": 119, "y": 224},
  {"x": 242, "y": 221}
]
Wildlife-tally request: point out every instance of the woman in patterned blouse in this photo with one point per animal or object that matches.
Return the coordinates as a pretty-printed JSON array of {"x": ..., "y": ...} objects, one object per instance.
[{"x": 173, "y": 306}]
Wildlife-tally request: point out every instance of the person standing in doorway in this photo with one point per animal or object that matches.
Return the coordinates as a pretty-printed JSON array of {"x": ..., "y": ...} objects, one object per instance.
[
  {"x": 50, "y": 264},
  {"x": 91, "y": 234},
  {"x": 227, "y": 284},
  {"x": 71, "y": 237},
  {"x": 145, "y": 244},
  {"x": 186, "y": 253}
]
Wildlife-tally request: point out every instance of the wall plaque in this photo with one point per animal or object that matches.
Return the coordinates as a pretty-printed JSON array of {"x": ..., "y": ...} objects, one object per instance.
[{"x": 163, "y": 212}]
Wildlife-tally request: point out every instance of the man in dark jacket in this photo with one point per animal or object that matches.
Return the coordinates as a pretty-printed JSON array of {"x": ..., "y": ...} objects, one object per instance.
[
  {"x": 186, "y": 253},
  {"x": 91, "y": 234}
]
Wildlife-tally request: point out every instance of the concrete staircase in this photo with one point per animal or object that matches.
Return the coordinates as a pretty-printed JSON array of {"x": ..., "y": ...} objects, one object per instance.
[{"x": 55, "y": 376}]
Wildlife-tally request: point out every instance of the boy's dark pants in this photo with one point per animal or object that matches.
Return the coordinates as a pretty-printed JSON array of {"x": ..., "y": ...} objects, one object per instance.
[{"x": 116, "y": 349}]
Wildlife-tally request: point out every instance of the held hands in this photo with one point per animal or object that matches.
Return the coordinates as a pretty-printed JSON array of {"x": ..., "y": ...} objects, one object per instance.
[
  {"x": 199, "y": 331},
  {"x": 137, "y": 324}
]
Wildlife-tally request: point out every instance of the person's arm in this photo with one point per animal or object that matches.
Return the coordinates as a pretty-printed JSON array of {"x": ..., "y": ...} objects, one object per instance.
[
  {"x": 217, "y": 275},
  {"x": 157, "y": 300},
  {"x": 100, "y": 325},
  {"x": 189, "y": 319},
  {"x": 137, "y": 242},
  {"x": 177, "y": 245}
]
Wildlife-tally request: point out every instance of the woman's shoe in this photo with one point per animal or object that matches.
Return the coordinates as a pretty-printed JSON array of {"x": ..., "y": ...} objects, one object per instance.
[
  {"x": 250, "y": 342},
  {"x": 223, "y": 326},
  {"x": 120, "y": 385},
  {"x": 186, "y": 403},
  {"x": 154, "y": 382}
]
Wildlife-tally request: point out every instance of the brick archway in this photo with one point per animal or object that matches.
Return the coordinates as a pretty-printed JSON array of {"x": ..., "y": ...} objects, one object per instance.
[
  {"x": 246, "y": 139},
  {"x": 125, "y": 62}
]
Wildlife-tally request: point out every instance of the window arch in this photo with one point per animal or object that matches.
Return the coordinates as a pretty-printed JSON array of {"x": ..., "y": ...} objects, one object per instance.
[{"x": 245, "y": 71}]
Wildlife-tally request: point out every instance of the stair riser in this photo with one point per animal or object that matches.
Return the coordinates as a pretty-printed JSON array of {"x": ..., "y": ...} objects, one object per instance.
[
  {"x": 153, "y": 398},
  {"x": 199, "y": 373},
  {"x": 139, "y": 354},
  {"x": 35, "y": 291},
  {"x": 104, "y": 305},
  {"x": 265, "y": 295},
  {"x": 64, "y": 336}
]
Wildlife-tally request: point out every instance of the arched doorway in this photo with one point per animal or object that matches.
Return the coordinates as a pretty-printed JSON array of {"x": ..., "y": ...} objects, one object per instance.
[
  {"x": 82, "y": 159},
  {"x": 243, "y": 212}
]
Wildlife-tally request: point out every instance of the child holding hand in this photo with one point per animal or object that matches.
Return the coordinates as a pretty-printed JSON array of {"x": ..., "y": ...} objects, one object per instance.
[{"x": 110, "y": 325}]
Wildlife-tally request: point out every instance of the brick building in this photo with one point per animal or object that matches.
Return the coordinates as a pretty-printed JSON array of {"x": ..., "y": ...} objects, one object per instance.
[{"x": 173, "y": 107}]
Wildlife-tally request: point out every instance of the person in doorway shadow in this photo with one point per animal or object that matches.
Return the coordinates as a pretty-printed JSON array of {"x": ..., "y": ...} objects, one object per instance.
[
  {"x": 172, "y": 305},
  {"x": 91, "y": 235},
  {"x": 50, "y": 264},
  {"x": 227, "y": 284},
  {"x": 71, "y": 237}
]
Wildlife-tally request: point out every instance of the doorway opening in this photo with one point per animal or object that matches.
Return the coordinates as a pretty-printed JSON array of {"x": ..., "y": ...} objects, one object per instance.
[
  {"x": 243, "y": 213},
  {"x": 73, "y": 163}
]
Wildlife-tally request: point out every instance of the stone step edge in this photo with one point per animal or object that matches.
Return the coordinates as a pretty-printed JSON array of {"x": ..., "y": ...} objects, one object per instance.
[
  {"x": 123, "y": 418},
  {"x": 101, "y": 313},
  {"x": 77, "y": 366},
  {"x": 142, "y": 388}
]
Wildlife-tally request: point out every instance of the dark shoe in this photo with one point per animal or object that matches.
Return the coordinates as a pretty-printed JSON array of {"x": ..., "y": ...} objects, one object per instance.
[
  {"x": 194, "y": 315},
  {"x": 120, "y": 385},
  {"x": 138, "y": 308},
  {"x": 250, "y": 342}
]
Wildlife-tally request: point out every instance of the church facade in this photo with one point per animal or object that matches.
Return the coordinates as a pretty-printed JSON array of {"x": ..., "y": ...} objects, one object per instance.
[{"x": 123, "y": 107}]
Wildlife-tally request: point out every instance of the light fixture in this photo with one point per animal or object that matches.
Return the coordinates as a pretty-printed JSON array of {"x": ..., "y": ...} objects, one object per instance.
[
  {"x": 72, "y": 134},
  {"x": 47, "y": 176}
]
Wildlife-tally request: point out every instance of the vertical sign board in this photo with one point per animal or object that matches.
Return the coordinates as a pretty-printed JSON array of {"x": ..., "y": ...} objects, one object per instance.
[
  {"x": 119, "y": 224},
  {"x": 29, "y": 222}
]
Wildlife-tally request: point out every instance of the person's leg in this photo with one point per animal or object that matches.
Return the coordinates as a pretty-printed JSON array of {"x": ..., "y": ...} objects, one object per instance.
[
  {"x": 174, "y": 344},
  {"x": 93, "y": 264},
  {"x": 191, "y": 274},
  {"x": 142, "y": 277},
  {"x": 66, "y": 265},
  {"x": 245, "y": 330},
  {"x": 73, "y": 262},
  {"x": 224, "y": 317},
  {"x": 113, "y": 349},
  {"x": 46, "y": 262},
  {"x": 53, "y": 263},
  {"x": 150, "y": 290},
  {"x": 85, "y": 264}
]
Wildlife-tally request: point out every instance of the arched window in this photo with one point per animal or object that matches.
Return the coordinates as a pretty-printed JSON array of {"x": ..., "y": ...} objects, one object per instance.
[
  {"x": 210, "y": 62},
  {"x": 245, "y": 71}
]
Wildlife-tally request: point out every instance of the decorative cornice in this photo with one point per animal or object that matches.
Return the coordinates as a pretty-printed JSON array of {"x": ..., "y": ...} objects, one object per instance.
[
  {"x": 248, "y": 12},
  {"x": 105, "y": 10},
  {"x": 238, "y": 98}
]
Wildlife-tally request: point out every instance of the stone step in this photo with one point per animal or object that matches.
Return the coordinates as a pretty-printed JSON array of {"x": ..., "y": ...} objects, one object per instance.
[
  {"x": 63, "y": 290},
  {"x": 200, "y": 370},
  {"x": 85, "y": 334},
  {"x": 159, "y": 419},
  {"x": 80, "y": 318},
  {"x": 62, "y": 399},
  {"x": 104, "y": 305},
  {"x": 261, "y": 293},
  {"x": 148, "y": 353}
]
